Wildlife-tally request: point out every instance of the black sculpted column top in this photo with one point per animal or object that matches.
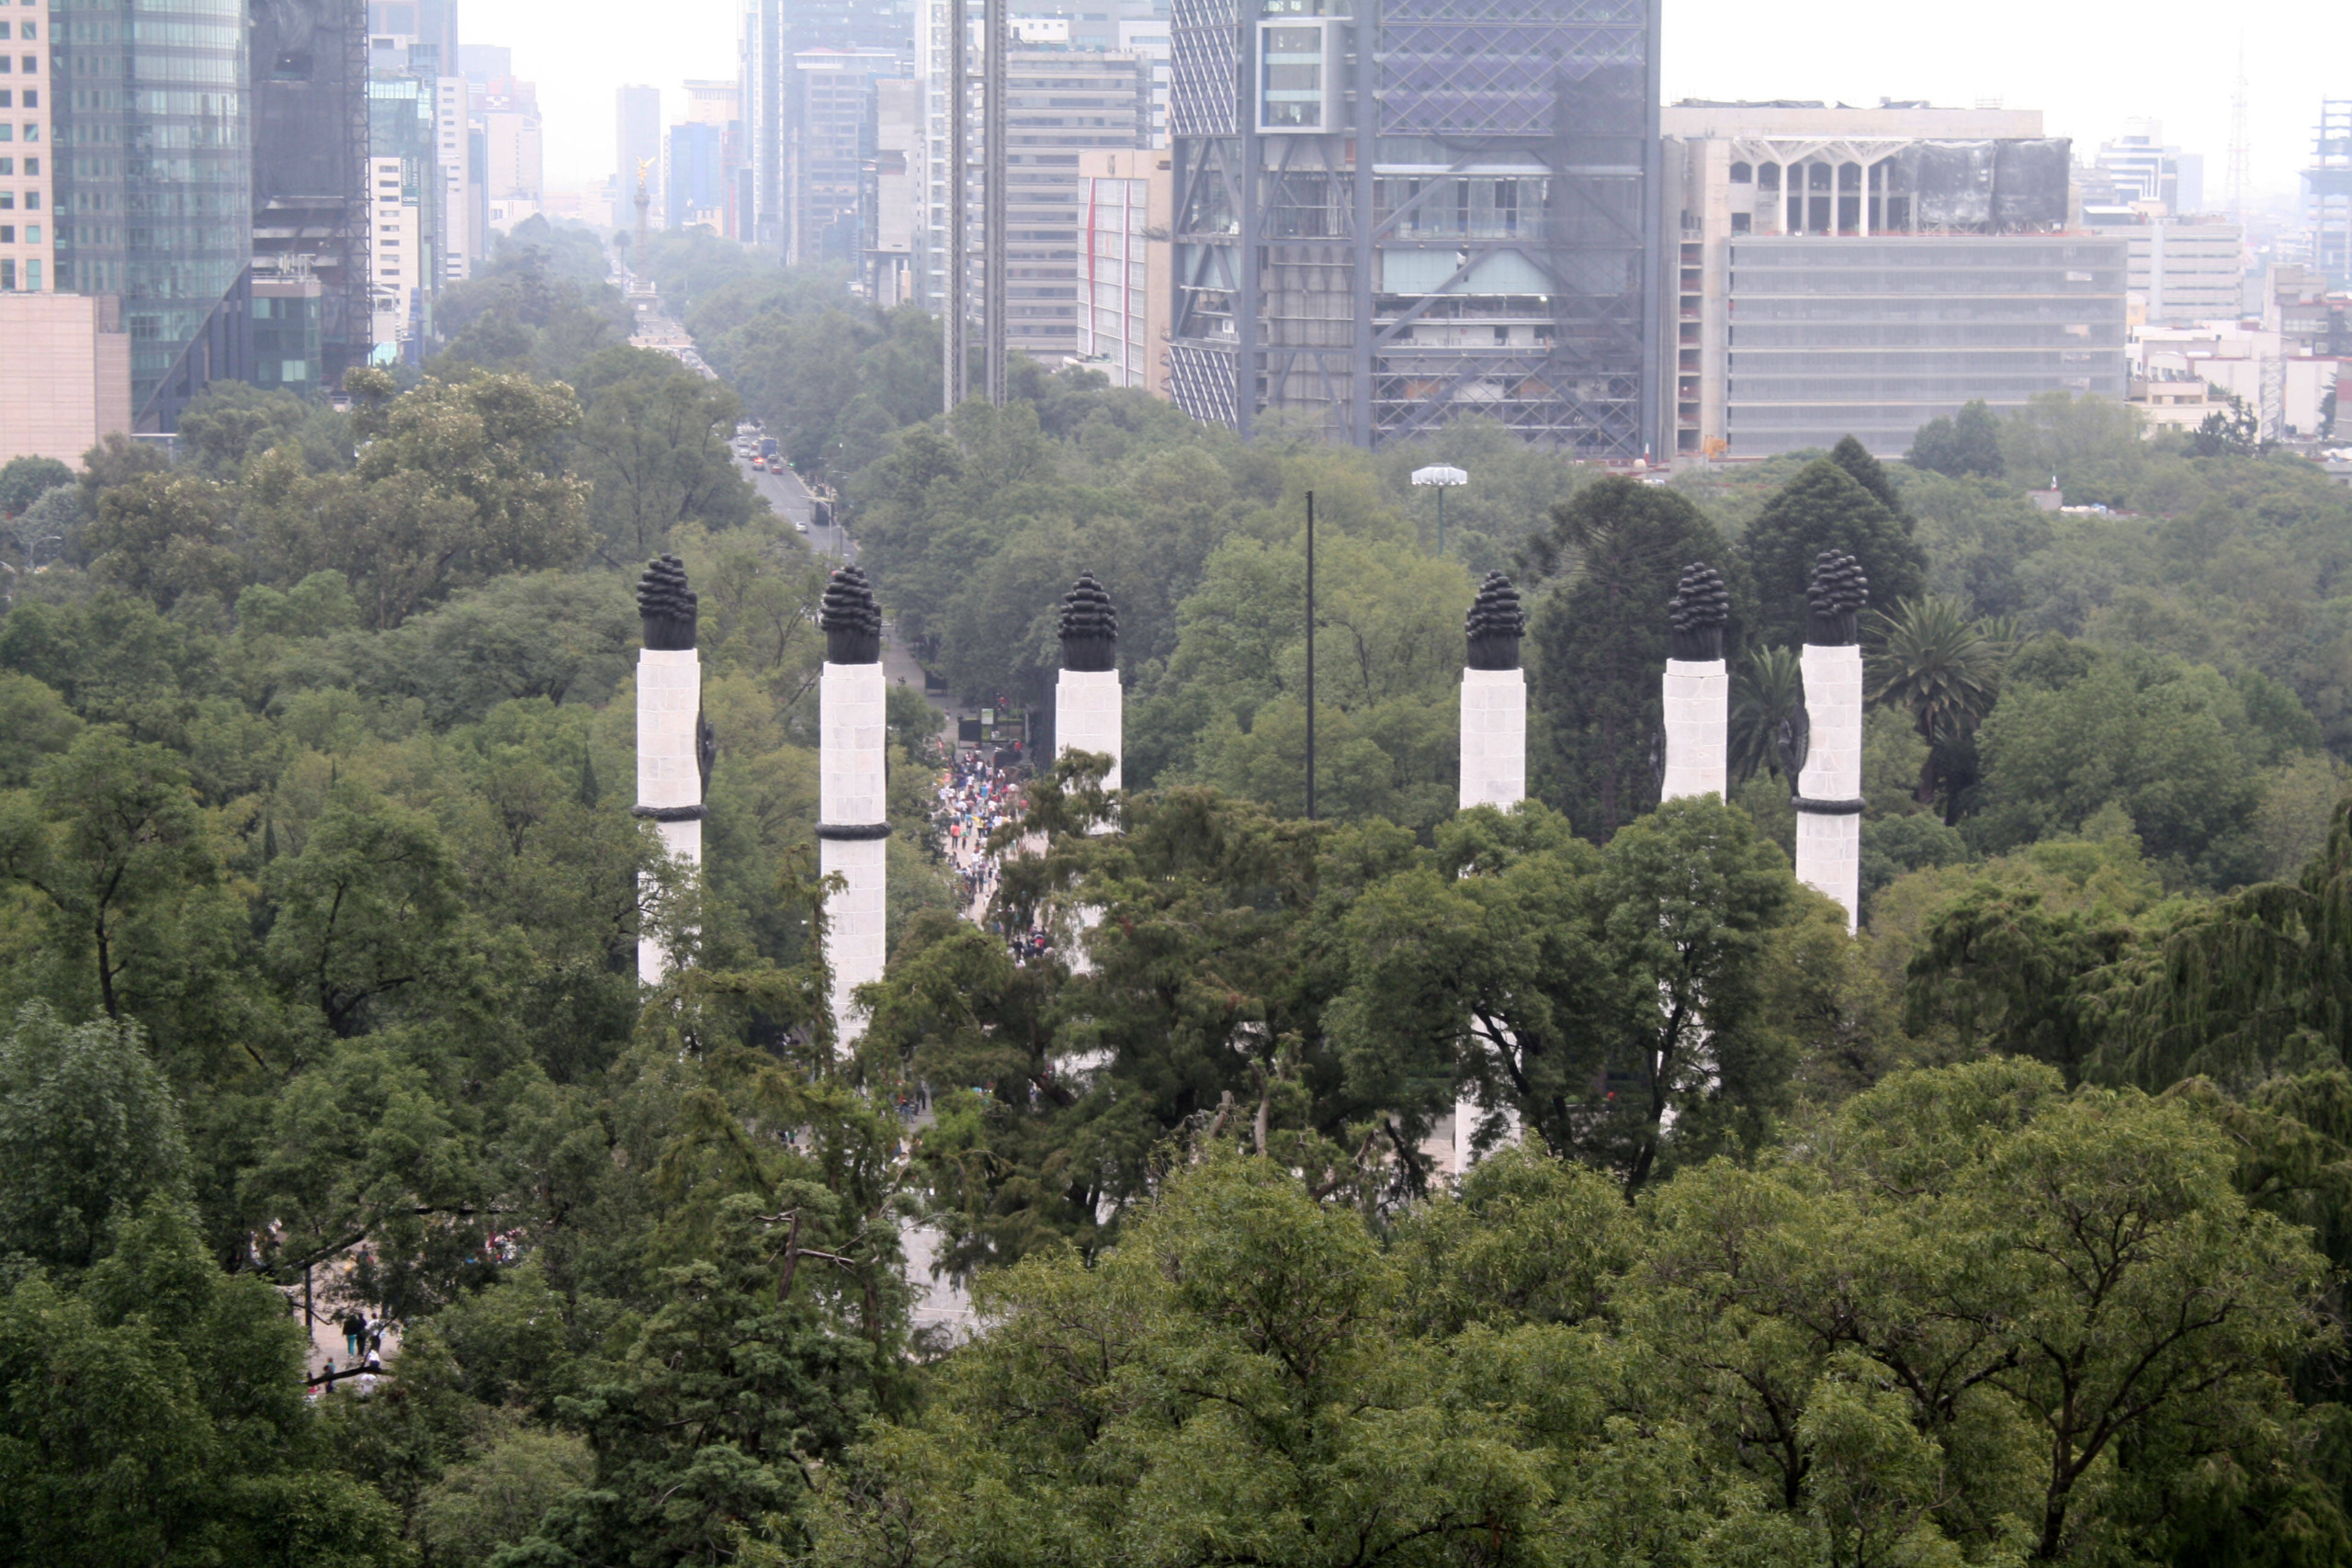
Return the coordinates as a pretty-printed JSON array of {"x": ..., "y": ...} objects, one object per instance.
[
  {"x": 1834, "y": 601},
  {"x": 1090, "y": 628},
  {"x": 850, "y": 619},
  {"x": 1697, "y": 613},
  {"x": 1495, "y": 624},
  {"x": 666, "y": 604}
]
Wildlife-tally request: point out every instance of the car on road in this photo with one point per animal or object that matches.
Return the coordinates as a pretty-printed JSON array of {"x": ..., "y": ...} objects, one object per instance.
[
  {"x": 760, "y": 465},
  {"x": 798, "y": 526}
]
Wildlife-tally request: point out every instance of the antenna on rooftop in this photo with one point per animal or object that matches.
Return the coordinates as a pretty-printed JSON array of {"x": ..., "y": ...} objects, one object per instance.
[{"x": 2241, "y": 151}]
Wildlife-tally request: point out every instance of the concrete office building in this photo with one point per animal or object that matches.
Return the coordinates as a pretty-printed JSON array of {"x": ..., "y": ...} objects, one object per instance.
[
  {"x": 1863, "y": 271},
  {"x": 464, "y": 219},
  {"x": 64, "y": 374},
  {"x": 1122, "y": 322},
  {"x": 890, "y": 196},
  {"x": 1060, "y": 105},
  {"x": 1492, "y": 253},
  {"x": 2179, "y": 269},
  {"x": 828, "y": 143},
  {"x": 27, "y": 236}
]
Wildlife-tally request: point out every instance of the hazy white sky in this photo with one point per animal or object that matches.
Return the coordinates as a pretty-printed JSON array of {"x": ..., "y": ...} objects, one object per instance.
[{"x": 2088, "y": 66}]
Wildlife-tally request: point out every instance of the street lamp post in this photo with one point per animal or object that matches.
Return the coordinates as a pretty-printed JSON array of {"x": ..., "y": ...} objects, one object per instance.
[{"x": 1444, "y": 477}]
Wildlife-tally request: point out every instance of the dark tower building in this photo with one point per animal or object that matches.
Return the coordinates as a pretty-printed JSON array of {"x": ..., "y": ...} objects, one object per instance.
[{"x": 1459, "y": 218}]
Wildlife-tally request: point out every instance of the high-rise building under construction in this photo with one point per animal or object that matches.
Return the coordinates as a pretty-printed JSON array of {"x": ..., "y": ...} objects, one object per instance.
[{"x": 1389, "y": 213}]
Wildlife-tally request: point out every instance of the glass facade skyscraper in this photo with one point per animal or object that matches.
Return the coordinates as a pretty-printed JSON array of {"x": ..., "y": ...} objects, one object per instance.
[{"x": 153, "y": 165}]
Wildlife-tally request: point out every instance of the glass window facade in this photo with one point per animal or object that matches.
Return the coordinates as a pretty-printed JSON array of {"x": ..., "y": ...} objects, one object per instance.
[{"x": 154, "y": 173}]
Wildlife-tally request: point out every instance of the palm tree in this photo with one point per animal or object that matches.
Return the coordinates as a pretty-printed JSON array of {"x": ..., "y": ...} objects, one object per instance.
[
  {"x": 1933, "y": 660},
  {"x": 1769, "y": 690}
]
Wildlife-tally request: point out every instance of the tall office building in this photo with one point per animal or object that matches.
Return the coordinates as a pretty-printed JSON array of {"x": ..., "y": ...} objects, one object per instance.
[
  {"x": 1844, "y": 271},
  {"x": 2138, "y": 167},
  {"x": 153, "y": 170},
  {"x": 890, "y": 194},
  {"x": 405, "y": 195},
  {"x": 1123, "y": 277},
  {"x": 463, "y": 214},
  {"x": 637, "y": 145},
  {"x": 27, "y": 241},
  {"x": 1388, "y": 218},
  {"x": 1059, "y": 106},
  {"x": 774, "y": 33},
  {"x": 828, "y": 144},
  {"x": 693, "y": 182}
]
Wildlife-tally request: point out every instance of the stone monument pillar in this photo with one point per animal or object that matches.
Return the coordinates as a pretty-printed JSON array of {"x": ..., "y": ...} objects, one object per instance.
[
  {"x": 1494, "y": 748},
  {"x": 1087, "y": 707},
  {"x": 1825, "y": 758},
  {"x": 674, "y": 742},
  {"x": 853, "y": 804},
  {"x": 1494, "y": 699},
  {"x": 1090, "y": 714},
  {"x": 1698, "y": 688}
]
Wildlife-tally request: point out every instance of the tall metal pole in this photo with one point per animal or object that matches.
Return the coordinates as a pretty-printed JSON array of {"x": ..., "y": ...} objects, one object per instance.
[
  {"x": 992, "y": 199},
  {"x": 955, "y": 350},
  {"x": 1310, "y": 656}
]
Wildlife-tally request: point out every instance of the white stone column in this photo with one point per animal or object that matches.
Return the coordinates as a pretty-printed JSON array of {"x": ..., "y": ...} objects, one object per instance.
[
  {"x": 669, "y": 734},
  {"x": 1494, "y": 738},
  {"x": 852, "y": 818},
  {"x": 1494, "y": 753},
  {"x": 669, "y": 771},
  {"x": 1829, "y": 806},
  {"x": 1698, "y": 716},
  {"x": 1090, "y": 715}
]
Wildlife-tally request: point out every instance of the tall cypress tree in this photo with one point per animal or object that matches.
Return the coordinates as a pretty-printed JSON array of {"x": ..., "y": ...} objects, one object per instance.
[
  {"x": 1869, "y": 473},
  {"x": 1824, "y": 508},
  {"x": 1602, "y": 639}
]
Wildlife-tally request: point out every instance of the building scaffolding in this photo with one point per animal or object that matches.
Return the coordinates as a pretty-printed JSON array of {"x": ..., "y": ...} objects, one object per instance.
[{"x": 1493, "y": 255}]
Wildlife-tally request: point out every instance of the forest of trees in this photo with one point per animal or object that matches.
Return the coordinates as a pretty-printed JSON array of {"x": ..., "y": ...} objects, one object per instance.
[{"x": 2009, "y": 1231}]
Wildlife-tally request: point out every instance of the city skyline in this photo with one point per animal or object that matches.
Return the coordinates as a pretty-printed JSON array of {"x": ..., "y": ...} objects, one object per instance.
[{"x": 2087, "y": 76}]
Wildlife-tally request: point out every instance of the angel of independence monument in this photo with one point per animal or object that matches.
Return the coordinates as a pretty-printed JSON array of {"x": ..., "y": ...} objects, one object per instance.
[
  {"x": 1823, "y": 751},
  {"x": 852, "y": 817},
  {"x": 674, "y": 748}
]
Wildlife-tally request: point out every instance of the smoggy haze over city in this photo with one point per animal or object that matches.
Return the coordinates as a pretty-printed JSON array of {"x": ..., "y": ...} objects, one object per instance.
[{"x": 2089, "y": 67}]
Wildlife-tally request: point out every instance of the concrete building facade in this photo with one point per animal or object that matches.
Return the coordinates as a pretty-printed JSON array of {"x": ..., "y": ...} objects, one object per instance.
[
  {"x": 28, "y": 237},
  {"x": 1123, "y": 323},
  {"x": 1862, "y": 271},
  {"x": 64, "y": 374},
  {"x": 2180, "y": 269},
  {"x": 829, "y": 143},
  {"x": 890, "y": 197}
]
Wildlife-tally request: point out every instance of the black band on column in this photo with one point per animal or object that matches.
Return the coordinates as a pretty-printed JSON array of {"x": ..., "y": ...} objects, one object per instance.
[
  {"x": 1827, "y": 807},
  {"x": 670, "y": 813},
  {"x": 853, "y": 831}
]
